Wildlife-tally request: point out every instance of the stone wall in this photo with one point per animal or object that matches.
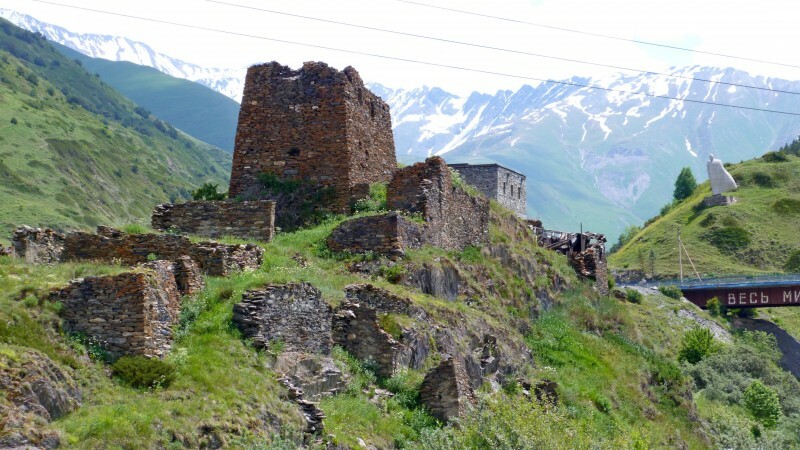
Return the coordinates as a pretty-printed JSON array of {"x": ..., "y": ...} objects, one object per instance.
[
  {"x": 315, "y": 124},
  {"x": 246, "y": 220},
  {"x": 295, "y": 314},
  {"x": 113, "y": 245},
  {"x": 187, "y": 276},
  {"x": 446, "y": 390},
  {"x": 451, "y": 218},
  {"x": 389, "y": 234},
  {"x": 129, "y": 313},
  {"x": 37, "y": 246},
  {"x": 497, "y": 182}
]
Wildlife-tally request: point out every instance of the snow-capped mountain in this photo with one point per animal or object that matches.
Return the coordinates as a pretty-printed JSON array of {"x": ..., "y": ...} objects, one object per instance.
[
  {"x": 604, "y": 156},
  {"x": 229, "y": 81}
]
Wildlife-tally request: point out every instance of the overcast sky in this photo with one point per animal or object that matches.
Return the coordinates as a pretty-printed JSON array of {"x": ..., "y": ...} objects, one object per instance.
[{"x": 764, "y": 29}]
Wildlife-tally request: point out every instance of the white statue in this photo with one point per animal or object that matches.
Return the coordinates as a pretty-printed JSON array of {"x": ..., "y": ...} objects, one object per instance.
[{"x": 721, "y": 180}]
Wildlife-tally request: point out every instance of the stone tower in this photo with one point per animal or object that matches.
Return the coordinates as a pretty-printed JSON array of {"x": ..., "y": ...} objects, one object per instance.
[{"x": 317, "y": 126}]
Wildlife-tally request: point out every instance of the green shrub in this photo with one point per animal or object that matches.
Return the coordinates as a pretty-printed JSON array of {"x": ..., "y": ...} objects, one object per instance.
[
  {"x": 611, "y": 284},
  {"x": 696, "y": 344},
  {"x": 774, "y": 157},
  {"x": 135, "y": 228},
  {"x": 787, "y": 206},
  {"x": 143, "y": 372},
  {"x": 671, "y": 291},
  {"x": 634, "y": 296},
  {"x": 209, "y": 192},
  {"x": 729, "y": 239},
  {"x": 394, "y": 273},
  {"x": 374, "y": 202},
  {"x": 685, "y": 185},
  {"x": 714, "y": 307},
  {"x": 405, "y": 385},
  {"x": 793, "y": 263},
  {"x": 762, "y": 179},
  {"x": 763, "y": 403},
  {"x": 14, "y": 121}
]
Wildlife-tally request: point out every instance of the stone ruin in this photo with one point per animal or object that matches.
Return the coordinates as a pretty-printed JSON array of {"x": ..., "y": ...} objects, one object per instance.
[
  {"x": 131, "y": 313},
  {"x": 294, "y": 314},
  {"x": 448, "y": 217},
  {"x": 39, "y": 246},
  {"x": 446, "y": 390},
  {"x": 215, "y": 219},
  {"x": 316, "y": 129},
  {"x": 585, "y": 252}
]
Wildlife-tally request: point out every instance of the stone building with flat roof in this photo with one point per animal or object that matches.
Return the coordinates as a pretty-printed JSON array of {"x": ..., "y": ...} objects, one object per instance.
[{"x": 498, "y": 183}]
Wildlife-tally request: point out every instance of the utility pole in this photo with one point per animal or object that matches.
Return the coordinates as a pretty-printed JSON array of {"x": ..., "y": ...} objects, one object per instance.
[{"x": 680, "y": 254}]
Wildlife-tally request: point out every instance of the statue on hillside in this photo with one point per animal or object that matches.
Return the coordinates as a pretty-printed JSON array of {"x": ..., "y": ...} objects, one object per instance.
[{"x": 721, "y": 180}]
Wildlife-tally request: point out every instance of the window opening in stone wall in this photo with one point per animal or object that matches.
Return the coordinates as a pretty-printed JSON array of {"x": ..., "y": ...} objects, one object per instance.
[
  {"x": 504, "y": 188},
  {"x": 294, "y": 151}
]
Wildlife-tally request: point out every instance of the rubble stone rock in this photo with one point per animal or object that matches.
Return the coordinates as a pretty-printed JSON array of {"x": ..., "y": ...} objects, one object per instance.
[
  {"x": 294, "y": 314},
  {"x": 246, "y": 220}
]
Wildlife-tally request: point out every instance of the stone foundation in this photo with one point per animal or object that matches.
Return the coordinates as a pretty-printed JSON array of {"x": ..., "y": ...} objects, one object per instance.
[
  {"x": 130, "y": 313},
  {"x": 294, "y": 314},
  {"x": 719, "y": 200},
  {"x": 452, "y": 219},
  {"x": 246, "y": 220}
]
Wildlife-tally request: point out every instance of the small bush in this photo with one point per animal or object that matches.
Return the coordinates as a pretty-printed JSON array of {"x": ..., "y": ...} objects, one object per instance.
[
  {"x": 774, "y": 157},
  {"x": 787, "y": 206},
  {"x": 135, "y": 228},
  {"x": 696, "y": 344},
  {"x": 394, "y": 273},
  {"x": 209, "y": 192},
  {"x": 714, "y": 307},
  {"x": 405, "y": 385},
  {"x": 142, "y": 372},
  {"x": 671, "y": 291},
  {"x": 763, "y": 403},
  {"x": 763, "y": 179},
  {"x": 793, "y": 263},
  {"x": 729, "y": 239},
  {"x": 14, "y": 121},
  {"x": 634, "y": 296}
]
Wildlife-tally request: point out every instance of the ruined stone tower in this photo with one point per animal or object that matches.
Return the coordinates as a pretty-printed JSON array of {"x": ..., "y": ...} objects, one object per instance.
[{"x": 317, "y": 126}]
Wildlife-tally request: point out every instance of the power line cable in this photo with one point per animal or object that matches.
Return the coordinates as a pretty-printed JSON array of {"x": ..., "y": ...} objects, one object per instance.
[
  {"x": 413, "y": 61},
  {"x": 500, "y": 49},
  {"x": 588, "y": 33}
]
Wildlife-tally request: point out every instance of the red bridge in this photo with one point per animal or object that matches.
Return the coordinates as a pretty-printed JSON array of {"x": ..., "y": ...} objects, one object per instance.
[{"x": 744, "y": 292}]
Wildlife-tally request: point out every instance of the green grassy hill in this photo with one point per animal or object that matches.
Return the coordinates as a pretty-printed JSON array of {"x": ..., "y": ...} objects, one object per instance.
[
  {"x": 756, "y": 235},
  {"x": 75, "y": 153},
  {"x": 189, "y": 106},
  {"x": 619, "y": 382}
]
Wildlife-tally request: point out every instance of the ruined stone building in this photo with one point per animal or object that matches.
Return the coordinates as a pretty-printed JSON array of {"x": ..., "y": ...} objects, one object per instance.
[
  {"x": 318, "y": 129},
  {"x": 498, "y": 183}
]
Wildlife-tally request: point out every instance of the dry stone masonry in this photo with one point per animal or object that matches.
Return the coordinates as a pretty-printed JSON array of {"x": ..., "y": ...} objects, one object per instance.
[
  {"x": 294, "y": 314},
  {"x": 46, "y": 246},
  {"x": 129, "y": 313},
  {"x": 446, "y": 390},
  {"x": 451, "y": 218},
  {"x": 37, "y": 246},
  {"x": 246, "y": 220},
  {"x": 498, "y": 183},
  {"x": 315, "y": 125}
]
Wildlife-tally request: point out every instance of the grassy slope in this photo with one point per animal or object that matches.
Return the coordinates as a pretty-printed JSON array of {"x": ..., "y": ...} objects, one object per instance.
[
  {"x": 593, "y": 347},
  {"x": 192, "y": 107},
  {"x": 774, "y": 234},
  {"x": 73, "y": 153}
]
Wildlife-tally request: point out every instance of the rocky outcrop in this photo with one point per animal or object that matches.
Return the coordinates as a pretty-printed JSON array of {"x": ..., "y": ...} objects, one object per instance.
[
  {"x": 35, "y": 390},
  {"x": 129, "y": 313},
  {"x": 446, "y": 390},
  {"x": 311, "y": 412},
  {"x": 294, "y": 314}
]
